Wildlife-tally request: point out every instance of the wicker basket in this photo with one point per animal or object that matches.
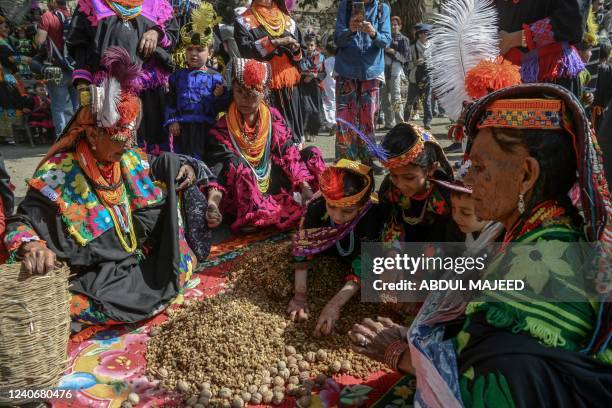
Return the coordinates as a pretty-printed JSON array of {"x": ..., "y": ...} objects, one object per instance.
[{"x": 34, "y": 330}]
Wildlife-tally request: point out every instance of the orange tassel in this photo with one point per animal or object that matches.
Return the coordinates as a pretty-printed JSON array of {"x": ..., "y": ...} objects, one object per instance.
[
  {"x": 284, "y": 74},
  {"x": 489, "y": 76}
]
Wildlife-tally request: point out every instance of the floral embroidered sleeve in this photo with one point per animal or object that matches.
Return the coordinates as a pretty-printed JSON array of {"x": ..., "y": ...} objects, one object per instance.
[
  {"x": 564, "y": 24},
  {"x": 17, "y": 234}
]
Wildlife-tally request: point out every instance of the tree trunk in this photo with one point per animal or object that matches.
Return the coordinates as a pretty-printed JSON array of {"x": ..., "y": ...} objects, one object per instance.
[{"x": 410, "y": 11}]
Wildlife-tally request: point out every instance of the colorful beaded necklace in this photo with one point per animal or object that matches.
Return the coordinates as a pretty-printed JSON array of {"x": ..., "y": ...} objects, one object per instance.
[
  {"x": 271, "y": 18},
  {"x": 542, "y": 213},
  {"x": 254, "y": 149},
  {"x": 112, "y": 194},
  {"x": 126, "y": 9}
]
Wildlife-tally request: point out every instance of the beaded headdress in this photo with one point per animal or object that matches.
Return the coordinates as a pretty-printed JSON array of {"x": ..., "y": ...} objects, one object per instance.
[
  {"x": 252, "y": 74},
  {"x": 407, "y": 142},
  {"x": 199, "y": 31},
  {"x": 113, "y": 105}
]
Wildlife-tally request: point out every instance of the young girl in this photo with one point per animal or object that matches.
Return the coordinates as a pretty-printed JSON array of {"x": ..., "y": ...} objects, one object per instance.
[
  {"x": 417, "y": 209},
  {"x": 40, "y": 115},
  {"x": 336, "y": 222},
  {"x": 312, "y": 104},
  {"x": 197, "y": 95}
]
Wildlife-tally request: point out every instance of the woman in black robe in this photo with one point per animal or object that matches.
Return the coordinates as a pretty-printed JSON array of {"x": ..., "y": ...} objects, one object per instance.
[
  {"x": 148, "y": 33},
  {"x": 113, "y": 215},
  {"x": 266, "y": 32}
]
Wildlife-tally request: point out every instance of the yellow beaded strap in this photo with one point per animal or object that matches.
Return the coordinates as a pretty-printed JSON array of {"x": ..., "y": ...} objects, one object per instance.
[{"x": 129, "y": 248}]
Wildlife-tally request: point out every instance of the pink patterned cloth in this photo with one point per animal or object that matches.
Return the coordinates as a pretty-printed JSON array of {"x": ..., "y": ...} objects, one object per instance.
[
  {"x": 541, "y": 32},
  {"x": 243, "y": 200},
  {"x": 158, "y": 11}
]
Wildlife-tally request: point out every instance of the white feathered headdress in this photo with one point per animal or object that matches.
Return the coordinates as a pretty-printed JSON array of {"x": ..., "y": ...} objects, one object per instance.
[{"x": 463, "y": 34}]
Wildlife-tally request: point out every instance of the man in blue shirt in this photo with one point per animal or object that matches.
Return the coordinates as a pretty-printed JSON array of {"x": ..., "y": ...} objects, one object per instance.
[{"x": 360, "y": 65}]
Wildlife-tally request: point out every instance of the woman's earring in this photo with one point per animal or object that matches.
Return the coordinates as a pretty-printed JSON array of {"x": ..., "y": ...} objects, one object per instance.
[
  {"x": 427, "y": 185},
  {"x": 521, "y": 203}
]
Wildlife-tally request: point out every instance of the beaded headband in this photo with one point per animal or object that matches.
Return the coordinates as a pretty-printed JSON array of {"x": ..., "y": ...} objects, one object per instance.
[
  {"x": 326, "y": 182},
  {"x": 523, "y": 114},
  {"x": 411, "y": 154},
  {"x": 407, "y": 157}
]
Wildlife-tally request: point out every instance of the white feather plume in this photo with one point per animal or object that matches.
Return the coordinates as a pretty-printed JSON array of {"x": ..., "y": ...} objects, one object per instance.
[
  {"x": 109, "y": 115},
  {"x": 463, "y": 34}
]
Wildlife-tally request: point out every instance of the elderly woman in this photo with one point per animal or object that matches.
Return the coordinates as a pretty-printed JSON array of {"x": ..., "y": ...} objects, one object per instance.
[
  {"x": 266, "y": 32},
  {"x": 110, "y": 212},
  {"x": 258, "y": 167},
  {"x": 526, "y": 348}
]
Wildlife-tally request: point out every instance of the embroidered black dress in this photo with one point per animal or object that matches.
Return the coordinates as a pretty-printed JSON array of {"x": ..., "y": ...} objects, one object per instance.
[
  {"x": 254, "y": 42},
  {"x": 110, "y": 284}
]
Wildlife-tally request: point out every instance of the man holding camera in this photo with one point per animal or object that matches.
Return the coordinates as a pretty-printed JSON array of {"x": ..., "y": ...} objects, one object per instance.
[{"x": 363, "y": 32}]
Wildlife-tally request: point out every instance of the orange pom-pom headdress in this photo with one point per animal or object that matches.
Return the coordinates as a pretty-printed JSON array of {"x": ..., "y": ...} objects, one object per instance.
[
  {"x": 251, "y": 74},
  {"x": 489, "y": 76}
]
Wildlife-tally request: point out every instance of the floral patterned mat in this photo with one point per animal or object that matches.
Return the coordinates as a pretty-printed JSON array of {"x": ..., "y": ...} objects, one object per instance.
[{"x": 104, "y": 368}]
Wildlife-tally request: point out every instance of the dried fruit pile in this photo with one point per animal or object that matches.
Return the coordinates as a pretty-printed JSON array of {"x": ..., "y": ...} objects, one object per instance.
[{"x": 238, "y": 347}]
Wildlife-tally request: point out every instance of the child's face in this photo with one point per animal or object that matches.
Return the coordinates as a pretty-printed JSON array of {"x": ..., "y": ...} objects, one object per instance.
[
  {"x": 410, "y": 179},
  {"x": 585, "y": 55},
  {"x": 311, "y": 46},
  {"x": 464, "y": 214},
  {"x": 41, "y": 91},
  {"x": 341, "y": 215},
  {"x": 21, "y": 34},
  {"x": 395, "y": 27},
  {"x": 197, "y": 56}
]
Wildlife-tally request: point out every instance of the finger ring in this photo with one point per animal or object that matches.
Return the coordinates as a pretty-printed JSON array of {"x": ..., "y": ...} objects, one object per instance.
[{"x": 363, "y": 342}]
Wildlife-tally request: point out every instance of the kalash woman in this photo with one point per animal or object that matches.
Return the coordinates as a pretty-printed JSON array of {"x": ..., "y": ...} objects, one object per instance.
[
  {"x": 112, "y": 214},
  {"x": 266, "y": 32},
  {"x": 513, "y": 350},
  {"x": 417, "y": 208},
  {"x": 336, "y": 222},
  {"x": 258, "y": 167},
  {"x": 147, "y": 30}
]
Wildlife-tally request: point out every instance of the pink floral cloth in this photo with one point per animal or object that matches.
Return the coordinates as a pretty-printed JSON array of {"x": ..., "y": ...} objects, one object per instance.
[{"x": 242, "y": 199}]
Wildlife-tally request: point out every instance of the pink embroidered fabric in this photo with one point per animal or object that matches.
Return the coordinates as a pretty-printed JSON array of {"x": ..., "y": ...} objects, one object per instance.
[{"x": 242, "y": 198}]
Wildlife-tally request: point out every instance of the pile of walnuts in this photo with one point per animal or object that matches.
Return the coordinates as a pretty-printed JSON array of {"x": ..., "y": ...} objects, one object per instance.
[{"x": 238, "y": 347}]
